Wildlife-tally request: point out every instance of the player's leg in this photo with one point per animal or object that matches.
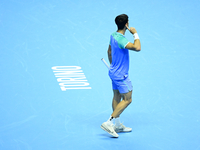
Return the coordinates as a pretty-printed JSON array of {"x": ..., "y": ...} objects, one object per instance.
[
  {"x": 108, "y": 126},
  {"x": 127, "y": 99},
  {"x": 116, "y": 99},
  {"x": 125, "y": 88}
]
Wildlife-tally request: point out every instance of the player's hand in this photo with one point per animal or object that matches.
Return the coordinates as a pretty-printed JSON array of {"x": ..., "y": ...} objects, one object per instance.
[{"x": 131, "y": 29}]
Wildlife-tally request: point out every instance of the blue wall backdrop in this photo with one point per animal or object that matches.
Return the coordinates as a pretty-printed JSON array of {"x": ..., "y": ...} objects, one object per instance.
[{"x": 35, "y": 114}]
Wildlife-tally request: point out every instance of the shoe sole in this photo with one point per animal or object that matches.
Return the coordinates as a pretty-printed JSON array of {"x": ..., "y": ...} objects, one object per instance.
[
  {"x": 118, "y": 131},
  {"x": 108, "y": 131}
]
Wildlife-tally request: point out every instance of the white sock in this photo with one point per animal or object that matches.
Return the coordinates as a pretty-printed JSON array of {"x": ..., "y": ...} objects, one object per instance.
[
  {"x": 110, "y": 120},
  {"x": 117, "y": 122}
]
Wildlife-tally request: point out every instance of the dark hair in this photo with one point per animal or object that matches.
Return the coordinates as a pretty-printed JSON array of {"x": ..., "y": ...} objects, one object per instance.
[{"x": 121, "y": 20}]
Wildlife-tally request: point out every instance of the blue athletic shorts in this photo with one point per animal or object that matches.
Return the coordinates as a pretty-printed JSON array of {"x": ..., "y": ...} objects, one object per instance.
[{"x": 124, "y": 86}]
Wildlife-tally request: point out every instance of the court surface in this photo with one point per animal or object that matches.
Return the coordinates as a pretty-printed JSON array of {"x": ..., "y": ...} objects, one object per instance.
[{"x": 40, "y": 40}]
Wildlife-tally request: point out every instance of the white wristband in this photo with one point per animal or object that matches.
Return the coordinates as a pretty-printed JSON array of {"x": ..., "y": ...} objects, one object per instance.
[{"x": 135, "y": 35}]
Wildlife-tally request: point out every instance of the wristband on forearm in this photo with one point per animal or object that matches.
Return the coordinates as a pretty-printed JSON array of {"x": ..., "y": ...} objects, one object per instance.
[{"x": 135, "y": 35}]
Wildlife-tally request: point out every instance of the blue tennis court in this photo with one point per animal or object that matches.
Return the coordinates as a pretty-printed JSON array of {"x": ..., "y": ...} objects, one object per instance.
[{"x": 42, "y": 41}]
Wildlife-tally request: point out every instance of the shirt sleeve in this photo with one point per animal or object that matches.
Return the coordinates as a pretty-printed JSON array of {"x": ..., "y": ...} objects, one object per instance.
[{"x": 123, "y": 42}]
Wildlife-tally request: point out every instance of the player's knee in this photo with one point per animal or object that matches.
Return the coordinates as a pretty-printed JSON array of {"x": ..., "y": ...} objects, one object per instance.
[{"x": 130, "y": 100}]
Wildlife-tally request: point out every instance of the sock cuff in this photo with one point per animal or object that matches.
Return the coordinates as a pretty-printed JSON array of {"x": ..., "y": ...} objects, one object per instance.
[{"x": 111, "y": 118}]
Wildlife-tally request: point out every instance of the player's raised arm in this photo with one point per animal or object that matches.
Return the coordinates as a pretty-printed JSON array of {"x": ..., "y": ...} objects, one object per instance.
[{"x": 136, "y": 46}]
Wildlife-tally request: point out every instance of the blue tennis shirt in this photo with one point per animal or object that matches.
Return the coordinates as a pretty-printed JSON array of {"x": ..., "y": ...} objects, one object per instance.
[{"x": 120, "y": 57}]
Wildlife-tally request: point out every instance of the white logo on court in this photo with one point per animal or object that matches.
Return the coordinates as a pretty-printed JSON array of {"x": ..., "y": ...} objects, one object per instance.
[{"x": 70, "y": 77}]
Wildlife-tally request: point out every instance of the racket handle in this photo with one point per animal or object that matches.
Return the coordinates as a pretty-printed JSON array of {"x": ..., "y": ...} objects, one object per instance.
[{"x": 105, "y": 63}]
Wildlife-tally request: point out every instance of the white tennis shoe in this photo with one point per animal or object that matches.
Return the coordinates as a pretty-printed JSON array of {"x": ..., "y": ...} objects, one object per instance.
[
  {"x": 109, "y": 128},
  {"x": 122, "y": 128}
]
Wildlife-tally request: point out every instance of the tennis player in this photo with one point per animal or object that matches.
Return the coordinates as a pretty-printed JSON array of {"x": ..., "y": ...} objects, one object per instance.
[{"x": 118, "y": 54}]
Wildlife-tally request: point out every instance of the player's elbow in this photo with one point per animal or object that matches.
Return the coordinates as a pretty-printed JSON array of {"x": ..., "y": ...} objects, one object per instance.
[
  {"x": 138, "y": 46},
  {"x": 135, "y": 47},
  {"x": 109, "y": 51},
  {"x": 138, "y": 49}
]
